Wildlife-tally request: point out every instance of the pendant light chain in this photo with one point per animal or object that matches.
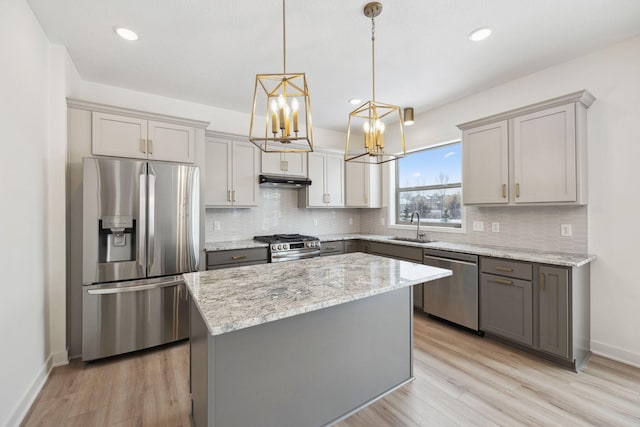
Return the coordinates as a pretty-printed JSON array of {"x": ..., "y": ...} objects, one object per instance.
[
  {"x": 373, "y": 57},
  {"x": 284, "y": 39}
]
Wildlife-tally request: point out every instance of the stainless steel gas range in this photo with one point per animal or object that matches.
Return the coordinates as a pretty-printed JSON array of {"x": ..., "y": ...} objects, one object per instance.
[{"x": 289, "y": 247}]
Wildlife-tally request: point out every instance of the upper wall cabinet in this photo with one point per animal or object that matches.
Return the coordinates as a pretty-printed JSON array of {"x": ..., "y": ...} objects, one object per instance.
[
  {"x": 363, "y": 185},
  {"x": 533, "y": 155},
  {"x": 289, "y": 164},
  {"x": 231, "y": 168},
  {"x": 124, "y": 136},
  {"x": 326, "y": 172}
]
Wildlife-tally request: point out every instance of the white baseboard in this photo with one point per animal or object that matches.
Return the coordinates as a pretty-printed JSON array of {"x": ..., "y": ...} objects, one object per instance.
[
  {"x": 30, "y": 395},
  {"x": 615, "y": 353},
  {"x": 59, "y": 359}
]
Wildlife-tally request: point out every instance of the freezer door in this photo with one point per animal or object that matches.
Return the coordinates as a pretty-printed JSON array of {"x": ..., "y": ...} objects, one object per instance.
[
  {"x": 127, "y": 316},
  {"x": 173, "y": 220},
  {"x": 114, "y": 229}
]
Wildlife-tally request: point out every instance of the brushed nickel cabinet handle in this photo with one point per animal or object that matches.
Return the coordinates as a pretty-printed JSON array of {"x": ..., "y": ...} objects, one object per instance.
[
  {"x": 507, "y": 269},
  {"x": 517, "y": 189},
  {"x": 542, "y": 281},
  {"x": 238, "y": 257},
  {"x": 143, "y": 145},
  {"x": 504, "y": 190},
  {"x": 228, "y": 195},
  {"x": 150, "y": 146},
  {"x": 503, "y": 281},
  {"x": 331, "y": 248},
  {"x": 233, "y": 195}
]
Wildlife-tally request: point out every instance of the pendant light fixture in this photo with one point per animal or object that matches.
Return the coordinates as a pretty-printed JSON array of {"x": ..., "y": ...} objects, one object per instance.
[
  {"x": 375, "y": 132},
  {"x": 287, "y": 109}
]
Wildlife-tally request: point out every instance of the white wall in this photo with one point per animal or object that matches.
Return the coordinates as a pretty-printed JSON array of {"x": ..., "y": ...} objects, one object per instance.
[
  {"x": 614, "y": 198},
  {"x": 25, "y": 318}
]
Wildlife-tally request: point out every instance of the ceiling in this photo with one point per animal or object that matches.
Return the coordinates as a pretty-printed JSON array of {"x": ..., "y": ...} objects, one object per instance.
[{"x": 209, "y": 51}]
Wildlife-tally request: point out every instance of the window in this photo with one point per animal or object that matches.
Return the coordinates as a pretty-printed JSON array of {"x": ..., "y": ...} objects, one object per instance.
[{"x": 430, "y": 182}]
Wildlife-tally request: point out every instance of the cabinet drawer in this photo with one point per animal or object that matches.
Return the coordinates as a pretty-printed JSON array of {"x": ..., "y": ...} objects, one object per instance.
[
  {"x": 515, "y": 269},
  {"x": 332, "y": 248},
  {"x": 396, "y": 251},
  {"x": 236, "y": 256}
]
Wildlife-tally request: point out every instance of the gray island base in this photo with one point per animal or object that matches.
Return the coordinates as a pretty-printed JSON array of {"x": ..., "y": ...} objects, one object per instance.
[{"x": 303, "y": 343}]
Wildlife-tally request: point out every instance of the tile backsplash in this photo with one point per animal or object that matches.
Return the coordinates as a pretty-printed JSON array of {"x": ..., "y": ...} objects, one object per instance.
[
  {"x": 278, "y": 212},
  {"x": 527, "y": 227},
  {"x": 535, "y": 227}
]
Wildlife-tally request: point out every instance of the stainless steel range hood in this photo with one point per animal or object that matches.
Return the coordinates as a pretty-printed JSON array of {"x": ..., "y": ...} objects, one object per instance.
[{"x": 277, "y": 181}]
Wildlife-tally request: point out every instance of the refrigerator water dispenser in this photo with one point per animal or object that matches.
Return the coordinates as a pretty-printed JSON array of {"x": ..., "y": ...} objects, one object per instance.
[{"x": 117, "y": 239}]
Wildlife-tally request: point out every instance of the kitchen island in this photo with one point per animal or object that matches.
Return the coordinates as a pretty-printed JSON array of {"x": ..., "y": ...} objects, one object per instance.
[{"x": 303, "y": 343}]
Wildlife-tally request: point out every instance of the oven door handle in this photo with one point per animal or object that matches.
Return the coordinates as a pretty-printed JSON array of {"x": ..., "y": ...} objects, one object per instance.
[{"x": 294, "y": 256}]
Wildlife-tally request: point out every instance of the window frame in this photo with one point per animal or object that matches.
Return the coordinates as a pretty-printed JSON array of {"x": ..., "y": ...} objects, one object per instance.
[{"x": 396, "y": 222}]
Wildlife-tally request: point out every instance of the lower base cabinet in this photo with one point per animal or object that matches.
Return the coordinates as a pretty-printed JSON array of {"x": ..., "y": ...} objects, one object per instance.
[
  {"x": 540, "y": 308},
  {"x": 507, "y": 308}
]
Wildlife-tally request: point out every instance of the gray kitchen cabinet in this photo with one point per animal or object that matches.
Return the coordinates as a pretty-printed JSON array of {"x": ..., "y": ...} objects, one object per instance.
[
  {"x": 506, "y": 307},
  {"x": 236, "y": 258},
  {"x": 351, "y": 246},
  {"x": 553, "y": 306},
  {"x": 539, "y": 308},
  {"x": 531, "y": 155},
  {"x": 332, "y": 248}
]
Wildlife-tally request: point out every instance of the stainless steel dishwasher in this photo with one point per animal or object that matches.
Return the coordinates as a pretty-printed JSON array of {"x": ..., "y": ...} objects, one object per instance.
[{"x": 453, "y": 298}]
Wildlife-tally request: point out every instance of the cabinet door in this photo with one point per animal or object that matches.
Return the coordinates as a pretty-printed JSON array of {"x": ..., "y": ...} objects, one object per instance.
[
  {"x": 244, "y": 170},
  {"x": 544, "y": 148},
  {"x": 316, "y": 191},
  {"x": 217, "y": 191},
  {"x": 356, "y": 183},
  {"x": 171, "y": 142},
  {"x": 554, "y": 310},
  {"x": 295, "y": 164},
  {"x": 506, "y": 308},
  {"x": 485, "y": 175},
  {"x": 334, "y": 180},
  {"x": 119, "y": 136},
  {"x": 272, "y": 163}
]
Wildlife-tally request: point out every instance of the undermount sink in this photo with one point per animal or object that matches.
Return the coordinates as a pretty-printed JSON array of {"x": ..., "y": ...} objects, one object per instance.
[{"x": 410, "y": 239}]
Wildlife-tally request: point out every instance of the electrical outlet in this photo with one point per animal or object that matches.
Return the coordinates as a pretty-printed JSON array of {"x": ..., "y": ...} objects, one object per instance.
[
  {"x": 495, "y": 227},
  {"x": 350, "y": 221},
  {"x": 478, "y": 226},
  {"x": 315, "y": 222},
  {"x": 566, "y": 230},
  {"x": 216, "y": 225}
]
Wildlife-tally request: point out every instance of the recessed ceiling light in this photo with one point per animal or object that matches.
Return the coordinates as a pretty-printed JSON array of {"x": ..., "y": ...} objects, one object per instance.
[
  {"x": 480, "y": 34},
  {"x": 126, "y": 34},
  {"x": 355, "y": 101}
]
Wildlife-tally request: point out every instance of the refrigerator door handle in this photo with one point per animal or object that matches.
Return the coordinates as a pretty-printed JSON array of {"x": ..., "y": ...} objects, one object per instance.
[
  {"x": 137, "y": 288},
  {"x": 151, "y": 231},
  {"x": 142, "y": 223}
]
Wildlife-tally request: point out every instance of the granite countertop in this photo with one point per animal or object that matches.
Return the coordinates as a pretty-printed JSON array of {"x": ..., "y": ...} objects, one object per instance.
[
  {"x": 529, "y": 255},
  {"x": 237, "y": 298}
]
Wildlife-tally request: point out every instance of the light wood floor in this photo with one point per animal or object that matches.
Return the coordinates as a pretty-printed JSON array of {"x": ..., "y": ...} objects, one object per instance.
[{"x": 461, "y": 380}]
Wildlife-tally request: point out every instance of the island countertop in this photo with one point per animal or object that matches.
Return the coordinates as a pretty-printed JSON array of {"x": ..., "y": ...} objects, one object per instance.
[{"x": 237, "y": 298}]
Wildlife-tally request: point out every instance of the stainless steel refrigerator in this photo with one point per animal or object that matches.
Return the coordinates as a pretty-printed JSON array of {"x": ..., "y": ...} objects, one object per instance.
[{"x": 140, "y": 233}]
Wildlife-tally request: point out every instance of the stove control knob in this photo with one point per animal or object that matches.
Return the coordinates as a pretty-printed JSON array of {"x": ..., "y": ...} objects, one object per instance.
[
  {"x": 308, "y": 244},
  {"x": 316, "y": 244},
  {"x": 279, "y": 246},
  {"x": 273, "y": 247},
  {"x": 286, "y": 247}
]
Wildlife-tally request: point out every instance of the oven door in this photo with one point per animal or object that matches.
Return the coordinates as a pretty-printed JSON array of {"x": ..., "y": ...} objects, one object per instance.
[{"x": 295, "y": 254}]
